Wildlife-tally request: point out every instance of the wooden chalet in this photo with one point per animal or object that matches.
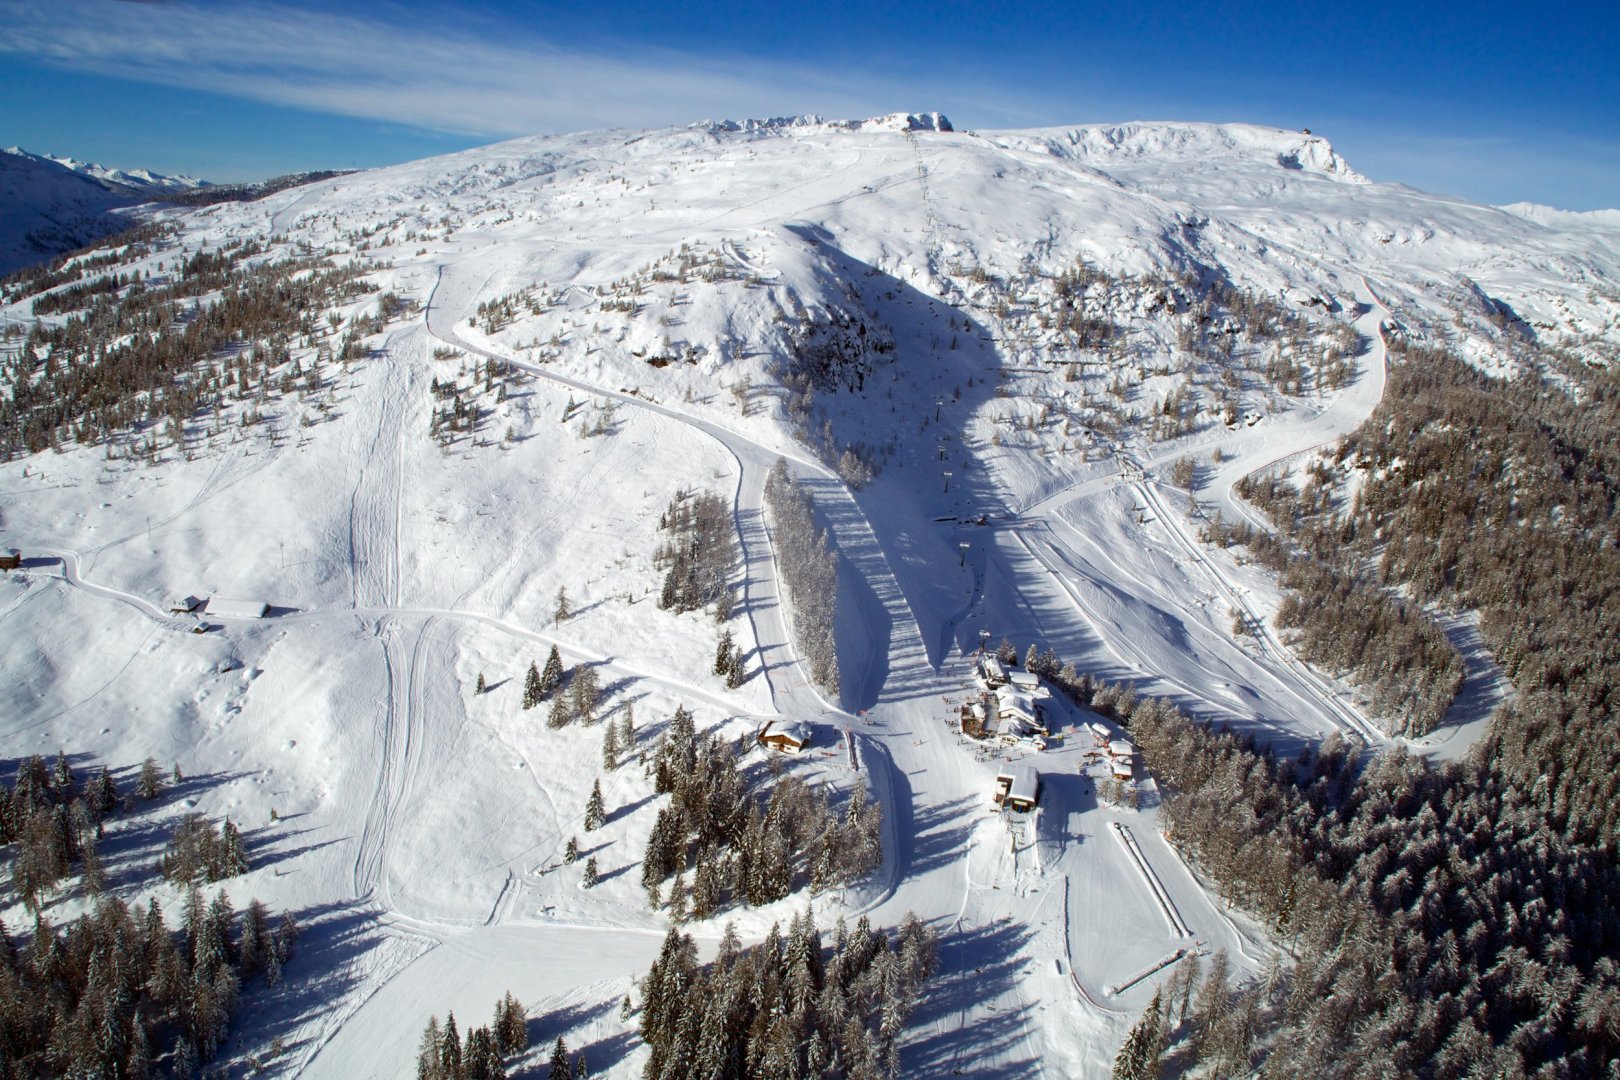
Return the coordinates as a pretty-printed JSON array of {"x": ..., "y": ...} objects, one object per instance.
[{"x": 789, "y": 738}]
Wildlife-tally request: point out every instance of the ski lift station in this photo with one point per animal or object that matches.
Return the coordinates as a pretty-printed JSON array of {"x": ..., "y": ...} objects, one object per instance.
[{"x": 1018, "y": 788}]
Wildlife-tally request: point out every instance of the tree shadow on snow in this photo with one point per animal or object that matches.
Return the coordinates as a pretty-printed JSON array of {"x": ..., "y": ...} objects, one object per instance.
[
  {"x": 323, "y": 969},
  {"x": 629, "y": 808},
  {"x": 940, "y": 833},
  {"x": 967, "y": 1034},
  {"x": 544, "y": 1029}
]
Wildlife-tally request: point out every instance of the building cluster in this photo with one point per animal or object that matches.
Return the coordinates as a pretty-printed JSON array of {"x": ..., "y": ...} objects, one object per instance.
[
  {"x": 1121, "y": 752},
  {"x": 1009, "y": 708}
]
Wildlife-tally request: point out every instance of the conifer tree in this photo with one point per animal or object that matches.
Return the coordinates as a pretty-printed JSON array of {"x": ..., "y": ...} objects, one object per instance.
[
  {"x": 627, "y": 729},
  {"x": 552, "y": 676},
  {"x": 736, "y": 672},
  {"x": 63, "y": 779},
  {"x": 450, "y": 1047},
  {"x": 150, "y": 784},
  {"x": 585, "y": 691},
  {"x": 1139, "y": 1058},
  {"x": 589, "y": 878},
  {"x": 559, "y": 1061},
  {"x": 722, "y": 653},
  {"x": 429, "y": 1063},
  {"x": 533, "y": 688},
  {"x": 562, "y": 610},
  {"x": 571, "y": 850},
  {"x": 482, "y": 687},
  {"x": 510, "y": 1030},
  {"x": 595, "y": 814},
  {"x": 561, "y": 712},
  {"x": 610, "y": 747}
]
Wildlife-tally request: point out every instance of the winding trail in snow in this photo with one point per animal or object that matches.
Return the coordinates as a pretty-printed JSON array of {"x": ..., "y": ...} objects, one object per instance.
[{"x": 1245, "y": 452}]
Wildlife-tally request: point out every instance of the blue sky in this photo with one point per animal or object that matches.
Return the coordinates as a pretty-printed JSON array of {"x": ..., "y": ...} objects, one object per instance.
[{"x": 1493, "y": 102}]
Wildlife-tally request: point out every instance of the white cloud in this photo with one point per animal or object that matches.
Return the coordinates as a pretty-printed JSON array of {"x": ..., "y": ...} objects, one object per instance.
[{"x": 426, "y": 75}]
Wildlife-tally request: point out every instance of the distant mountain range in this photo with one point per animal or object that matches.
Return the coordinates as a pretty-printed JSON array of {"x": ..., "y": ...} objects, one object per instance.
[{"x": 49, "y": 205}]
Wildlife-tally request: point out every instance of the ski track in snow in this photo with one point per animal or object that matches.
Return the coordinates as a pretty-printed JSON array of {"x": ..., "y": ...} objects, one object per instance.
[
  {"x": 917, "y": 773},
  {"x": 401, "y": 632}
]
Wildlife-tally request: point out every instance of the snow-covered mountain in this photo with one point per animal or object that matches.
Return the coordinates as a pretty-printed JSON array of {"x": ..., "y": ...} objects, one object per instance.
[
  {"x": 144, "y": 181},
  {"x": 49, "y": 205},
  {"x": 982, "y": 352}
]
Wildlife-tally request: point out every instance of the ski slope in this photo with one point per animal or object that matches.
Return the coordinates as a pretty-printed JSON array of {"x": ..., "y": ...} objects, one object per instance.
[{"x": 420, "y": 826}]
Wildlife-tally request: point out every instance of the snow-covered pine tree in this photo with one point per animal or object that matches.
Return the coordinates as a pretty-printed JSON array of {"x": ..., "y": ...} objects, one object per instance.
[
  {"x": 736, "y": 671},
  {"x": 560, "y": 1069},
  {"x": 450, "y": 1047},
  {"x": 235, "y": 854},
  {"x": 562, "y": 611},
  {"x": 589, "y": 878},
  {"x": 722, "y": 653},
  {"x": 595, "y": 813},
  {"x": 679, "y": 897},
  {"x": 705, "y": 886},
  {"x": 481, "y": 687},
  {"x": 533, "y": 688},
  {"x": 551, "y": 676},
  {"x": 571, "y": 850},
  {"x": 610, "y": 747}
]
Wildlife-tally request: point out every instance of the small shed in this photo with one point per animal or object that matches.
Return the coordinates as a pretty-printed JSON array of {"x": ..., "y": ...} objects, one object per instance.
[
  {"x": 787, "y": 738},
  {"x": 1124, "y": 768},
  {"x": 222, "y": 608},
  {"x": 1099, "y": 733},
  {"x": 185, "y": 605},
  {"x": 1025, "y": 791},
  {"x": 1025, "y": 680},
  {"x": 11, "y": 560},
  {"x": 1121, "y": 750}
]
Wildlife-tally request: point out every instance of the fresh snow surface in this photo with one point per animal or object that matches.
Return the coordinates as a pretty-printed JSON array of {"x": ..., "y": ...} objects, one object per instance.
[{"x": 421, "y": 826}]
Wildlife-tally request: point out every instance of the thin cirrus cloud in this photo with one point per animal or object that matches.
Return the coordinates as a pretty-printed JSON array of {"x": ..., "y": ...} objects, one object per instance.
[{"x": 415, "y": 73}]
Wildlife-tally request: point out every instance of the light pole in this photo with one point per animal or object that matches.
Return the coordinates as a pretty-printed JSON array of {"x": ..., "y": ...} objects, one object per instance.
[
  {"x": 963, "y": 548},
  {"x": 938, "y": 405},
  {"x": 947, "y": 481}
]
